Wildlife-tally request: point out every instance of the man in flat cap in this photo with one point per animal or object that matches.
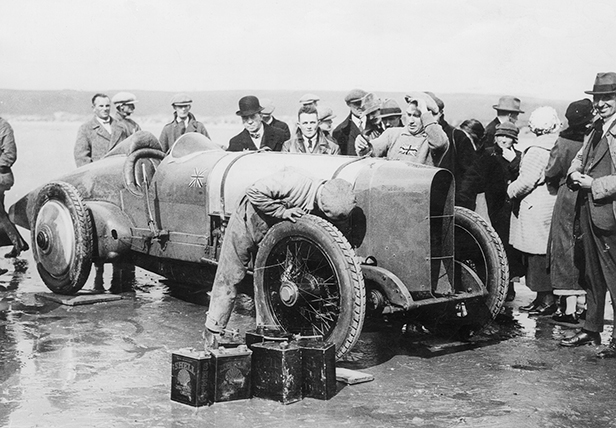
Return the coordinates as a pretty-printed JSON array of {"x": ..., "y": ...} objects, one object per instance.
[
  {"x": 592, "y": 172},
  {"x": 98, "y": 135},
  {"x": 346, "y": 133},
  {"x": 309, "y": 99},
  {"x": 309, "y": 138},
  {"x": 507, "y": 110},
  {"x": 326, "y": 118},
  {"x": 124, "y": 103},
  {"x": 256, "y": 135},
  {"x": 183, "y": 121},
  {"x": 284, "y": 196},
  {"x": 269, "y": 119}
]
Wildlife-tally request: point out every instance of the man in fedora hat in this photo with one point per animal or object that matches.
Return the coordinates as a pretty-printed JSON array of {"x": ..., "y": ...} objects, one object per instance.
[
  {"x": 256, "y": 135},
  {"x": 283, "y": 196},
  {"x": 98, "y": 135},
  {"x": 372, "y": 114},
  {"x": 592, "y": 171},
  {"x": 507, "y": 110},
  {"x": 269, "y": 119},
  {"x": 183, "y": 121},
  {"x": 391, "y": 114},
  {"x": 346, "y": 133}
]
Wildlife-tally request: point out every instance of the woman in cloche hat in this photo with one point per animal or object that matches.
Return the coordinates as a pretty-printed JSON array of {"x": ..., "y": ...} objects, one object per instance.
[{"x": 530, "y": 224}]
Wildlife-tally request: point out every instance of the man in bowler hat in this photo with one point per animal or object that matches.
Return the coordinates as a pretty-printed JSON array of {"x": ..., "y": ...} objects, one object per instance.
[
  {"x": 183, "y": 121},
  {"x": 592, "y": 172},
  {"x": 507, "y": 110},
  {"x": 256, "y": 134}
]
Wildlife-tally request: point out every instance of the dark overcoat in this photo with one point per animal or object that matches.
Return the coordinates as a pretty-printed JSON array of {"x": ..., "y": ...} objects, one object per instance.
[
  {"x": 564, "y": 260},
  {"x": 272, "y": 138},
  {"x": 345, "y": 135}
]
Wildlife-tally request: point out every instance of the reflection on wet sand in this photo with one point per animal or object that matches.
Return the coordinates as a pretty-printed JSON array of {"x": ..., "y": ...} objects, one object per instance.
[{"x": 107, "y": 364}]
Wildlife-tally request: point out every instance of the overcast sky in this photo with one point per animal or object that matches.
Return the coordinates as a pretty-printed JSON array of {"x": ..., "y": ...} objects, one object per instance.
[{"x": 543, "y": 48}]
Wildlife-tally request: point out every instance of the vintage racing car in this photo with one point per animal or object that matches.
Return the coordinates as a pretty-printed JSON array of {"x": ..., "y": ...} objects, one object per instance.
[{"x": 405, "y": 251}]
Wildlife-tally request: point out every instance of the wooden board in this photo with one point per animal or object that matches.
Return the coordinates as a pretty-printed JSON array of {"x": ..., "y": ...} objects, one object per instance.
[
  {"x": 352, "y": 377},
  {"x": 81, "y": 298}
]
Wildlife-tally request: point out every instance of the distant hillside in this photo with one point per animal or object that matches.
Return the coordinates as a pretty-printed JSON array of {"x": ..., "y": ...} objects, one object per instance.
[{"x": 74, "y": 105}]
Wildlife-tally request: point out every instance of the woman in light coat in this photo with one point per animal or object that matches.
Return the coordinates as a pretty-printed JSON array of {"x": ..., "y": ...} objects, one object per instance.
[{"x": 530, "y": 224}]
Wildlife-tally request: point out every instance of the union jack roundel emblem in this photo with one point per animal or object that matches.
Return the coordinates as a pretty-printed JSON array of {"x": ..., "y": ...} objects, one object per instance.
[{"x": 196, "y": 179}]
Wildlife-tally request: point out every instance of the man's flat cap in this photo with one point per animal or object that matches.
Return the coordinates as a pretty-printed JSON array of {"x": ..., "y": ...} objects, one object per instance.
[
  {"x": 355, "y": 95},
  {"x": 181, "y": 100}
]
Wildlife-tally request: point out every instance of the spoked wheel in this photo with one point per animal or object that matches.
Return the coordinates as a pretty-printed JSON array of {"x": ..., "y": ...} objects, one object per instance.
[
  {"x": 62, "y": 238},
  {"x": 480, "y": 265},
  {"x": 481, "y": 262},
  {"x": 307, "y": 281}
]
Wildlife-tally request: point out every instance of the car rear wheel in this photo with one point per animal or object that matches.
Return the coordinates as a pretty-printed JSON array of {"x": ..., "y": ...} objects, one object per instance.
[
  {"x": 62, "y": 238},
  {"x": 308, "y": 281},
  {"x": 480, "y": 258},
  {"x": 480, "y": 266}
]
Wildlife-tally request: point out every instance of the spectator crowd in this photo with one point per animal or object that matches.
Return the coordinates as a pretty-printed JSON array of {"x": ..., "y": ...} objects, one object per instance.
[{"x": 553, "y": 204}]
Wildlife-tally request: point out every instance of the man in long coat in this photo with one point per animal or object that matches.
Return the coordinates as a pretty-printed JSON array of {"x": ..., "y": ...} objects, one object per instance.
[
  {"x": 98, "y": 135},
  {"x": 593, "y": 171},
  {"x": 183, "y": 121}
]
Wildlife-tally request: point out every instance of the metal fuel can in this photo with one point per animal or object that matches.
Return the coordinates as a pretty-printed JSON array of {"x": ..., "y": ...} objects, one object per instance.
[
  {"x": 318, "y": 368},
  {"x": 230, "y": 374},
  {"x": 190, "y": 371},
  {"x": 277, "y": 371},
  {"x": 264, "y": 334}
]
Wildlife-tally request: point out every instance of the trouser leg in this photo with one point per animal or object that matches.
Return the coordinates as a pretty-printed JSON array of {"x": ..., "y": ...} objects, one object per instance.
[
  {"x": 7, "y": 225},
  {"x": 244, "y": 232},
  {"x": 595, "y": 293},
  {"x": 606, "y": 252}
]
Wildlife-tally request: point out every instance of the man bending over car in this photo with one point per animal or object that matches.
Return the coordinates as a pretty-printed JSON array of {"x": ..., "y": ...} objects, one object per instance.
[{"x": 287, "y": 195}]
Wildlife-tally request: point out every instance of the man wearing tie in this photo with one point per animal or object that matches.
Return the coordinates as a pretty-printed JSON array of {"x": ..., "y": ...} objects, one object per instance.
[
  {"x": 593, "y": 172},
  {"x": 98, "y": 135},
  {"x": 309, "y": 138},
  {"x": 346, "y": 133},
  {"x": 183, "y": 121},
  {"x": 256, "y": 134}
]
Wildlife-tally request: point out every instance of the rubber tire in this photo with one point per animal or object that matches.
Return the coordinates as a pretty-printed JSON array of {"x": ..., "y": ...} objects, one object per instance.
[
  {"x": 130, "y": 164},
  {"x": 493, "y": 251},
  {"x": 341, "y": 256},
  {"x": 81, "y": 264},
  {"x": 482, "y": 244}
]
